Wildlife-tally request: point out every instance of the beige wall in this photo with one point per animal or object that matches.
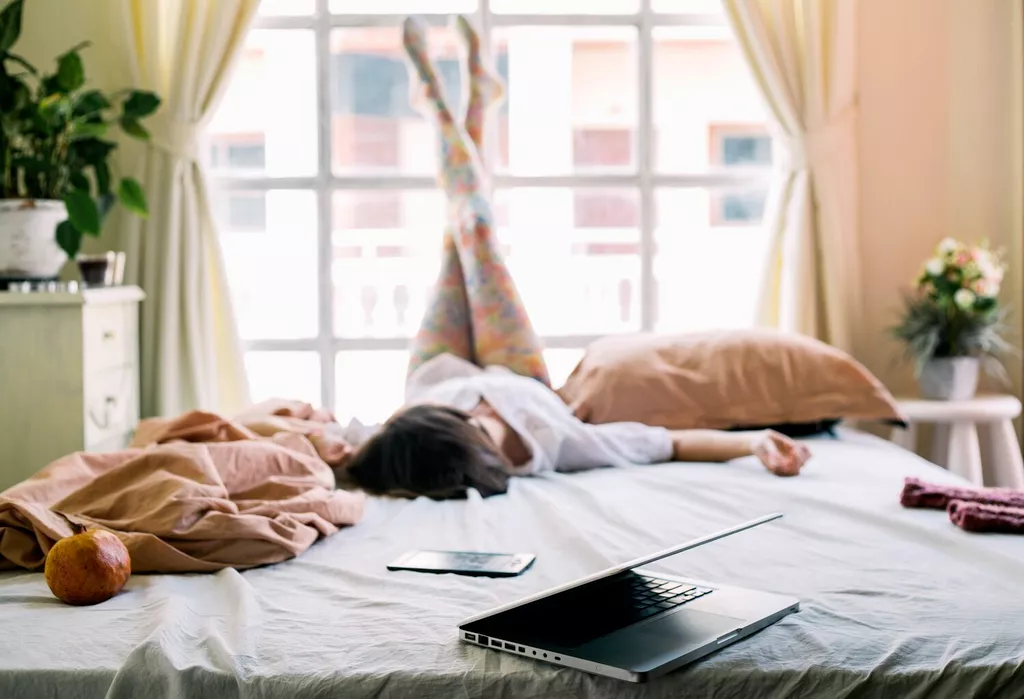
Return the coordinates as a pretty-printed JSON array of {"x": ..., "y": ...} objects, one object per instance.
[
  {"x": 50, "y": 27},
  {"x": 940, "y": 149}
]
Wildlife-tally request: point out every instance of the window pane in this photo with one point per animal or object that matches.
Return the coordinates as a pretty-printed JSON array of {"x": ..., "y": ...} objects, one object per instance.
[
  {"x": 387, "y": 247},
  {"x": 266, "y": 124},
  {"x": 370, "y": 384},
  {"x": 373, "y": 126},
  {"x": 565, "y": 7},
  {"x": 698, "y": 7},
  {"x": 270, "y": 8},
  {"x": 292, "y": 375},
  {"x": 380, "y": 7},
  {"x": 711, "y": 251},
  {"x": 572, "y": 99},
  {"x": 560, "y": 363},
  {"x": 708, "y": 113},
  {"x": 575, "y": 257},
  {"x": 269, "y": 243}
]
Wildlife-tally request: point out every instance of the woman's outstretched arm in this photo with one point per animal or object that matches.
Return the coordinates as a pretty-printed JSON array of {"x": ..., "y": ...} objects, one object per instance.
[{"x": 779, "y": 454}]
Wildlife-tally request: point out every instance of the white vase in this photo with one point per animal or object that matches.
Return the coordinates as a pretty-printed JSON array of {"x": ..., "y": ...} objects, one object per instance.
[
  {"x": 28, "y": 239},
  {"x": 953, "y": 378}
]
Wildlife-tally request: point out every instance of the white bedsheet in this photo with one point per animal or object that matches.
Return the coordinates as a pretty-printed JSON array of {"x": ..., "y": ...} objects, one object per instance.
[{"x": 896, "y": 602}]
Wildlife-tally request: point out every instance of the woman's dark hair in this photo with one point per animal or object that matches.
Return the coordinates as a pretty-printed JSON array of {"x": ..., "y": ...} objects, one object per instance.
[{"x": 430, "y": 450}]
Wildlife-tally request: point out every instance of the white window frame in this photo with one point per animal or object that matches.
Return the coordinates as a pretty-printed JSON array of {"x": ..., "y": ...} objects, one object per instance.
[{"x": 644, "y": 180}]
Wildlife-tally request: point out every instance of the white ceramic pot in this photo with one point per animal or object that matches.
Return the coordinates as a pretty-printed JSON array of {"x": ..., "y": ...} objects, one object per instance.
[
  {"x": 953, "y": 378},
  {"x": 28, "y": 238}
]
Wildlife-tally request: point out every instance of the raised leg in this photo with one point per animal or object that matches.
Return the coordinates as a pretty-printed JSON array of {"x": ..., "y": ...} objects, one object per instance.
[
  {"x": 460, "y": 163},
  {"x": 965, "y": 452},
  {"x": 502, "y": 332},
  {"x": 447, "y": 325},
  {"x": 499, "y": 331},
  {"x": 1004, "y": 450},
  {"x": 485, "y": 88}
]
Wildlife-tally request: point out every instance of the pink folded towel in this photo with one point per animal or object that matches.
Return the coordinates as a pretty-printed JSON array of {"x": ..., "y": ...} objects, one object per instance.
[
  {"x": 917, "y": 493},
  {"x": 983, "y": 517}
]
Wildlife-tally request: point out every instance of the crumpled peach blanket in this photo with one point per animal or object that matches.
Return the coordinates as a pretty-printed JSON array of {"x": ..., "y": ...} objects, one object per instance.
[{"x": 194, "y": 493}]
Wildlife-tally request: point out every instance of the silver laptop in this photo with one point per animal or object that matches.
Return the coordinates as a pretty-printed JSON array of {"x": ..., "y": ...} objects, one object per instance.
[{"x": 628, "y": 623}]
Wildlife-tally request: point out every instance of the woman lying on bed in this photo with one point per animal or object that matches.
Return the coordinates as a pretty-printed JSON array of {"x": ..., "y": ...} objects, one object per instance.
[{"x": 468, "y": 427}]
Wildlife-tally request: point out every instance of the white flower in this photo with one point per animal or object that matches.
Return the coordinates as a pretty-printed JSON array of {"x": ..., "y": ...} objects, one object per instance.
[
  {"x": 934, "y": 266},
  {"x": 964, "y": 298},
  {"x": 947, "y": 246}
]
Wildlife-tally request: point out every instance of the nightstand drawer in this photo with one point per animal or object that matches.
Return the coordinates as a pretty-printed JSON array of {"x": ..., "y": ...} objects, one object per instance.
[
  {"x": 109, "y": 336},
  {"x": 111, "y": 403}
]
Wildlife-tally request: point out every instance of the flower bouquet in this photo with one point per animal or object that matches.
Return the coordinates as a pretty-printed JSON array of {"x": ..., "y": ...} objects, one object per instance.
[{"x": 952, "y": 320}]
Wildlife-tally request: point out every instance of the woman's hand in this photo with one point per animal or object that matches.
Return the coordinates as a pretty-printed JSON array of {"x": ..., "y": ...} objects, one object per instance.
[{"x": 780, "y": 454}]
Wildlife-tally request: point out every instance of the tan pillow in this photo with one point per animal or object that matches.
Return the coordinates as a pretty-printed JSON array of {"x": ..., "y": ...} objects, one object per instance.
[{"x": 723, "y": 380}]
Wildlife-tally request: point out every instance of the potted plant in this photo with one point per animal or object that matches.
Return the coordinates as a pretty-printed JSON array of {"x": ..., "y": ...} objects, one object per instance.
[
  {"x": 953, "y": 322},
  {"x": 55, "y": 173}
]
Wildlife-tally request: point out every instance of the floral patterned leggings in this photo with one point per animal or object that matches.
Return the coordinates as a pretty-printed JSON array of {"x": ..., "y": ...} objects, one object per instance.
[{"x": 475, "y": 311}]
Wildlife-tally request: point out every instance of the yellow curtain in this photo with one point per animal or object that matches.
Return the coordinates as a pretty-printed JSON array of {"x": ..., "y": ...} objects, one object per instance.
[
  {"x": 802, "y": 56},
  {"x": 191, "y": 355}
]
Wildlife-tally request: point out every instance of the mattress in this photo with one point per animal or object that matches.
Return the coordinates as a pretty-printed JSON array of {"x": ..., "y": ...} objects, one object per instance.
[{"x": 895, "y": 602}]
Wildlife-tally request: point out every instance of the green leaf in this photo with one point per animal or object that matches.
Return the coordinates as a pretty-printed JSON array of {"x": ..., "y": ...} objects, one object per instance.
[
  {"x": 134, "y": 129},
  {"x": 91, "y": 102},
  {"x": 134, "y": 199},
  {"x": 141, "y": 104},
  {"x": 81, "y": 130},
  {"x": 70, "y": 71},
  {"x": 10, "y": 25},
  {"x": 69, "y": 238},
  {"x": 23, "y": 63},
  {"x": 93, "y": 150},
  {"x": 82, "y": 211},
  {"x": 79, "y": 181},
  {"x": 50, "y": 85},
  {"x": 33, "y": 166},
  {"x": 102, "y": 171},
  {"x": 50, "y": 101}
]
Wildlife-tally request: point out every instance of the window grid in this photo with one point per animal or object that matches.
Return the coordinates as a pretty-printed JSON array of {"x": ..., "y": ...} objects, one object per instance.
[{"x": 644, "y": 180}]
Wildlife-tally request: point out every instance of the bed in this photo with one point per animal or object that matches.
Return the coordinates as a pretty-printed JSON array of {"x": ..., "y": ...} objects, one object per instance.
[{"x": 896, "y": 602}]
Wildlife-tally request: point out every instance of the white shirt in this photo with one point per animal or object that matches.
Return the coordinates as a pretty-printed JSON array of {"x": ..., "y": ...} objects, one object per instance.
[{"x": 557, "y": 440}]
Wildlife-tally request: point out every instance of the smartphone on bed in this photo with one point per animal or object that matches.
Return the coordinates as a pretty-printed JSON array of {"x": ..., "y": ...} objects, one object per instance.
[{"x": 495, "y": 565}]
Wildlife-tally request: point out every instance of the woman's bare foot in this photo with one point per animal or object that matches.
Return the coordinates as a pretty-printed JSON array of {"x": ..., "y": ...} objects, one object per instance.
[{"x": 780, "y": 454}]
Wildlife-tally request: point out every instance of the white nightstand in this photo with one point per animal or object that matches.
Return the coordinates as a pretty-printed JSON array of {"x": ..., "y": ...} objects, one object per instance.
[
  {"x": 955, "y": 443},
  {"x": 69, "y": 375}
]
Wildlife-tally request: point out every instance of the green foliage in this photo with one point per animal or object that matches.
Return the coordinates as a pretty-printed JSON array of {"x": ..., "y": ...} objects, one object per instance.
[
  {"x": 937, "y": 329},
  {"x": 52, "y": 136}
]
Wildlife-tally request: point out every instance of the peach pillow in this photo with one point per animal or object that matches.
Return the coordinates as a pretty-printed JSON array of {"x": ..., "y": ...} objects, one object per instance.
[{"x": 723, "y": 380}]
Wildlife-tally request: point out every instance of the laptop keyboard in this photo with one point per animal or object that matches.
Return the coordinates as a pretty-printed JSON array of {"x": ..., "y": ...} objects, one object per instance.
[
  {"x": 582, "y": 614},
  {"x": 649, "y": 596}
]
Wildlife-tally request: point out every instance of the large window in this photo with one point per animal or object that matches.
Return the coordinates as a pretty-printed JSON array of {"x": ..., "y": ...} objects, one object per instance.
[{"x": 629, "y": 164}]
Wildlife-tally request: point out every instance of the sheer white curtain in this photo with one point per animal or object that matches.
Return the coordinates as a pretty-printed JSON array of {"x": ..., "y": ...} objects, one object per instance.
[
  {"x": 191, "y": 355},
  {"x": 802, "y": 54}
]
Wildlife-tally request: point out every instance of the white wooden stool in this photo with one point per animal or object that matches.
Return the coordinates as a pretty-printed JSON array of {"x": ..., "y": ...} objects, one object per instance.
[{"x": 955, "y": 443}]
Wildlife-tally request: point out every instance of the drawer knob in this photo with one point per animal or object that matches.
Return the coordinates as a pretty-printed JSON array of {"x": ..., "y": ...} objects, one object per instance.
[{"x": 109, "y": 334}]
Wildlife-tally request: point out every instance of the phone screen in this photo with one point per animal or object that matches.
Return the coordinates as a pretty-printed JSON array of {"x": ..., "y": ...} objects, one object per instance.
[{"x": 464, "y": 562}]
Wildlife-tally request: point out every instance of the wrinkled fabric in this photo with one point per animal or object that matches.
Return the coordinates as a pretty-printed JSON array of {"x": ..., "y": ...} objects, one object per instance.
[
  {"x": 196, "y": 493},
  {"x": 918, "y": 493},
  {"x": 983, "y": 517},
  {"x": 895, "y": 602}
]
